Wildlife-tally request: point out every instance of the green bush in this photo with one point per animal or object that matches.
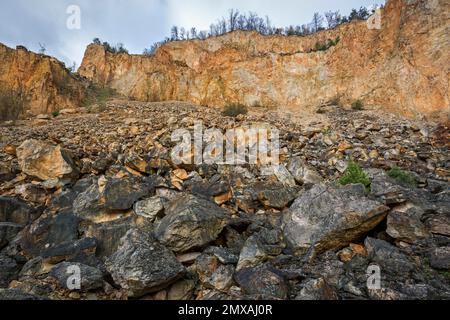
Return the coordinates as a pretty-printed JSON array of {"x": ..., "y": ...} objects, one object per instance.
[
  {"x": 55, "y": 114},
  {"x": 99, "y": 96},
  {"x": 233, "y": 110},
  {"x": 12, "y": 105},
  {"x": 357, "y": 105},
  {"x": 353, "y": 175},
  {"x": 403, "y": 177}
]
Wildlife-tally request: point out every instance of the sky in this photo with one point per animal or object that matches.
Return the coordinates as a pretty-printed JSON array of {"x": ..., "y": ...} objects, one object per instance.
[{"x": 136, "y": 23}]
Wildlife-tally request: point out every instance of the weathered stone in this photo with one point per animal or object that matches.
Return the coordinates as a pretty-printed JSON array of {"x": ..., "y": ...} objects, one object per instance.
[
  {"x": 8, "y": 270},
  {"x": 317, "y": 289},
  {"x": 259, "y": 247},
  {"x": 45, "y": 161},
  {"x": 7, "y": 232},
  {"x": 190, "y": 222},
  {"x": 91, "y": 278},
  {"x": 108, "y": 235},
  {"x": 149, "y": 208},
  {"x": 110, "y": 195},
  {"x": 69, "y": 250},
  {"x": 212, "y": 274},
  {"x": 48, "y": 232},
  {"x": 16, "y": 211},
  {"x": 388, "y": 257},
  {"x": 141, "y": 265},
  {"x": 440, "y": 258},
  {"x": 326, "y": 218},
  {"x": 17, "y": 295},
  {"x": 303, "y": 173},
  {"x": 404, "y": 223},
  {"x": 277, "y": 197},
  {"x": 262, "y": 282},
  {"x": 181, "y": 290}
]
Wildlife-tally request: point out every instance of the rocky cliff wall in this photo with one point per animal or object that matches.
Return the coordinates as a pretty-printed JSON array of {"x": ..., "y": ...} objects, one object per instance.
[
  {"x": 402, "y": 67},
  {"x": 44, "y": 82}
]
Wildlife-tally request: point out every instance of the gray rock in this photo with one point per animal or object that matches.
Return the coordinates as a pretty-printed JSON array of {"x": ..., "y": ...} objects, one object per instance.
[
  {"x": 389, "y": 258},
  {"x": 262, "y": 283},
  {"x": 317, "y": 289},
  {"x": 440, "y": 258},
  {"x": 259, "y": 247},
  {"x": 91, "y": 278},
  {"x": 69, "y": 250},
  {"x": 8, "y": 270},
  {"x": 141, "y": 265},
  {"x": 303, "y": 173},
  {"x": 404, "y": 223},
  {"x": 277, "y": 197},
  {"x": 16, "y": 211},
  {"x": 326, "y": 217},
  {"x": 17, "y": 295},
  {"x": 181, "y": 290},
  {"x": 212, "y": 274},
  {"x": 190, "y": 222},
  {"x": 48, "y": 232},
  {"x": 7, "y": 232},
  {"x": 110, "y": 195},
  {"x": 108, "y": 235},
  {"x": 149, "y": 208}
]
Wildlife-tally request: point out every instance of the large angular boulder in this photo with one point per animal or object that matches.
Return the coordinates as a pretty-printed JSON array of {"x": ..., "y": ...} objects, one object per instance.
[
  {"x": 8, "y": 270},
  {"x": 141, "y": 265},
  {"x": 404, "y": 223},
  {"x": 262, "y": 283},
  {"x": 16, "y": 211},
  {"x": 91, "y": 278},
  {"x": 110, "y": 194},
  {"x": 328, "y": 217},
  {"x": 190, "y": 222},
  {"x": 45, "y": 161}
]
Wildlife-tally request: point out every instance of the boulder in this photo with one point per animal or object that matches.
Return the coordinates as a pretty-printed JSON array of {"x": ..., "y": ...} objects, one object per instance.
[
  {"x": 16, "y": 211},
  {"x": 149, "y": 208},
  {"x": 110, "y": 194},
  {"x": 8, "y": 270},
  {"x": 440, "y": 258},
  {"x": 190, "y": 222},
  {"x": 91, "y": 278},
  {"x": 404, "y": 223},
  {"x": 328, "y": 217},
  {"x": 303, "y": 173},
  {"x": 262, "y": 282},
  {"x": 141, "y": 265},
  {"x": 45, "y": 161}
]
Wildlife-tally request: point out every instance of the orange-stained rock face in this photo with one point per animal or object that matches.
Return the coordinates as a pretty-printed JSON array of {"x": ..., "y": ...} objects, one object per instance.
[
  {"x": 402, "y": 68},
  {"x": 46, "y": 84}
]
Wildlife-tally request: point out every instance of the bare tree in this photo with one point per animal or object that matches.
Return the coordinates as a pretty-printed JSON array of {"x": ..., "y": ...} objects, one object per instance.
[
  {"x": 194, "y": 33},
  {"x": 233, "y": 16},
  {"x": 317, "y": 22},
  {"x": 333, "y": 19},
  {"x": 174, "y": 33},
  {"x": 182, "y": 33}
]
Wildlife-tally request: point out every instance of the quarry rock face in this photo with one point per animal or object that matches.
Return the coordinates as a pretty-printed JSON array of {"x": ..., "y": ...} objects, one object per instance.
[
  {"x": 44, "y": 82},
  {"x": 401, "y": 68}
]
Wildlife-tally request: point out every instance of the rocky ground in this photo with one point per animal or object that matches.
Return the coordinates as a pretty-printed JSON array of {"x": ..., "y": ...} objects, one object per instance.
[{"x": 97, "y": 189}]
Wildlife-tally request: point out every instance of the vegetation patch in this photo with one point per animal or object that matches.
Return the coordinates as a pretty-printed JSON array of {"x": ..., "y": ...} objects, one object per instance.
[
  {"x": 354, "y": 175},
  {"x": 12, "y": 104},
  {"x": 97, "y": 96},
  {"x": 233, "y": 110},
  {"x": 358, "y": 105},
  {"x": 403, "y": 177}
]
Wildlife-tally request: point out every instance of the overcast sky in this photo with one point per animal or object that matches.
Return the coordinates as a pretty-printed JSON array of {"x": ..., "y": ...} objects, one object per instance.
[{"x": 137, "y": 23}]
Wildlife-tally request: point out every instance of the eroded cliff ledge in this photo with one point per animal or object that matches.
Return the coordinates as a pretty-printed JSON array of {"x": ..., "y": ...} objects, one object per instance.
[
  {"x": 44, "y": 82},
  {"x": 402, "y": 68}
]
